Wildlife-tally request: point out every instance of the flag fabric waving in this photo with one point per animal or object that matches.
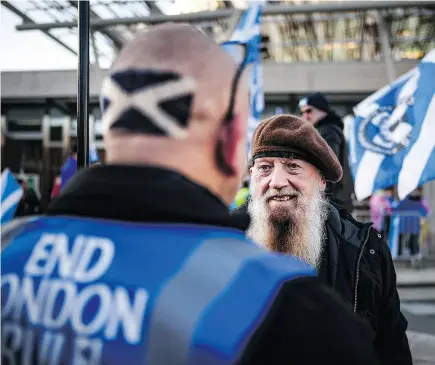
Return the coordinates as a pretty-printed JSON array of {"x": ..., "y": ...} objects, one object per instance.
[
  {"x": 392, "y": 139},
  {"x": 248, "y": 32},
  {"x": 11, "y": 193},
  {"x": 67, "y": 171}
]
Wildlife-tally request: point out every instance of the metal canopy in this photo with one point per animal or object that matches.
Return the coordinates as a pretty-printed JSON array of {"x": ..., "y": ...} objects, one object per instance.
[
  {"x": 105, "y": 41},
  {"x": 226, "y": 13},
  {"x": 295, "y": 31}
]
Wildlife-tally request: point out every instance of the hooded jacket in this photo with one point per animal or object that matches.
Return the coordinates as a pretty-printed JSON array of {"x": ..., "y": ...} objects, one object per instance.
[
  {"x": 331, "y": 129},
  {"x": 357, "y": 263}
]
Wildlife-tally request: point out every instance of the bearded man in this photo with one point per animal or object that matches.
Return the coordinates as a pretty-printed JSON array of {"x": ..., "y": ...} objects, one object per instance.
[{"x": 291, "y": 164}]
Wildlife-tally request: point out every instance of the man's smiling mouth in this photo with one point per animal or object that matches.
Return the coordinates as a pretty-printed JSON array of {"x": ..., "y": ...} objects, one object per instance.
[{"x": 282, "y": 198}]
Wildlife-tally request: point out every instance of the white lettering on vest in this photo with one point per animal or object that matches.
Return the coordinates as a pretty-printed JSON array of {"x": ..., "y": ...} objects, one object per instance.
[
  {"x": 11, "y": 341},
  {"x": 87, "y": 351},
  {"x": 85, "y": 272},
  {"x": 57, "y": 287},
  {"x": 62, "y": 290},
  {"x": 12, "y": 282},
  {"x": 127, "y": 316},
  {"x": 102, "y": 292}
]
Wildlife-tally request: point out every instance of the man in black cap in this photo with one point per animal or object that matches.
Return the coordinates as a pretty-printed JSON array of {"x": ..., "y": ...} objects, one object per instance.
[
  {"x": 290, "y": 214},
  {"x": 315, "y": 109}
]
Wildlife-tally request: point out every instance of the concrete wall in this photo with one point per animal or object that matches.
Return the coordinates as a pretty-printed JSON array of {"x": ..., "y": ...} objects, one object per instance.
[{"x": 337, "y": 77}]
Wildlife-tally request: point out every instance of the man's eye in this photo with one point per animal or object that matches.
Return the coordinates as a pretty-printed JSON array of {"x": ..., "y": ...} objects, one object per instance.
[
  {"x": 293, "y": 166},
  {"x": 264, "y": 168}
]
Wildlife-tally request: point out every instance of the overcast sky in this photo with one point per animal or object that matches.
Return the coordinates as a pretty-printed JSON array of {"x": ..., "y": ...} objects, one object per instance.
[
  {"x": 33, "y": 50},
  {"x": 30, "y": 50}
]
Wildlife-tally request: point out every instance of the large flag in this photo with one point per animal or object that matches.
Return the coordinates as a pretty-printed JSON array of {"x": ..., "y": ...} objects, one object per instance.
[
  {"x": 11, "y": 193},
  {"x": 392, "y": 141},
  {"x": 248, "y": 32}
]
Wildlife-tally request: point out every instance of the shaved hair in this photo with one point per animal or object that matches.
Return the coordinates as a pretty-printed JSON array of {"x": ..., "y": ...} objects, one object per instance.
[
  {"x": 205, "y": 72},
  {"x": 184, "y": 50}
]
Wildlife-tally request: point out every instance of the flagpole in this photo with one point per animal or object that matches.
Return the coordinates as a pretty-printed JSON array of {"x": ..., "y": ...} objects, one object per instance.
[
  {"x": 386, "y": 47},
  {"x": 83, "y": 86}
]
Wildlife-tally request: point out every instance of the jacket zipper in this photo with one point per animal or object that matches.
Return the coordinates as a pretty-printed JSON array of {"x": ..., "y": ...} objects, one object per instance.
[{"x": 357, "y": 270}]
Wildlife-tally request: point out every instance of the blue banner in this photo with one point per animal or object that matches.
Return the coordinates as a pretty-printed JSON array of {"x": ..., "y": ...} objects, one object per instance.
[
  {"x": 69, "y": 168},
  {"x": 392, "y": 139},
  {"x": 248, "y": 32}
]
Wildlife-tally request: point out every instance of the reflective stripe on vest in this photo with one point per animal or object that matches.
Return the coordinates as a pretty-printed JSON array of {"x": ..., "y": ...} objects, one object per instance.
[
  {"x": 204, "y": 290},
  {"x": 214, "y": 323},
  {"x": 12, "y": 229}
]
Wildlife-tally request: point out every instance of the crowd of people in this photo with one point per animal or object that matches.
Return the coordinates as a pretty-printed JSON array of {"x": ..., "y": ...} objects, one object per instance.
[{"x": 140, "y": 259}]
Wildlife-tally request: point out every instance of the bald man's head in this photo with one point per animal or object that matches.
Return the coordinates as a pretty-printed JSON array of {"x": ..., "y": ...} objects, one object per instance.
[
  {"x": 183, "y": 50},
  {"x": 169, "y": 92}
]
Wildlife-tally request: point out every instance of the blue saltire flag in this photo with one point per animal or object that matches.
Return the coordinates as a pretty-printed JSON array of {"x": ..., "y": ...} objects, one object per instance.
[
  {"x": 69, "y": 168},
  {"x": 11, "y": 193},
  {"x": 392, "y": 140},
  {"x": 248, "y": 32}
]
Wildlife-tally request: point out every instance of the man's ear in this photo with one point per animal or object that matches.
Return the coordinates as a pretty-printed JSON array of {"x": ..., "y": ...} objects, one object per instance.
[
  {"x": 230, "y": 139},
  {"x": 323, "y": 183},
  {"x": 250, "y": 171}
]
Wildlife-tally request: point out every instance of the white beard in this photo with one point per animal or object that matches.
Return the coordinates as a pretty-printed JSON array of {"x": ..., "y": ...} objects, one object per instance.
[{"x": 299, "y": 233}]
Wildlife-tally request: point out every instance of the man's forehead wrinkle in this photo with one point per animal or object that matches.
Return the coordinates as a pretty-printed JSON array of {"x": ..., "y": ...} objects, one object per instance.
[{"x": 289, "y": 160}]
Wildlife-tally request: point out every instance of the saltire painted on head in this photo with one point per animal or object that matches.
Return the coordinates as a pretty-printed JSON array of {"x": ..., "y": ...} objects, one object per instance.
[
  {"x": 392, "y": 137},
  {"x": 147, "y": 101},
  {"x": 248, "y": 32},
  {"x": 69, "y": 168},
  {"x": 11, "y": 193}
]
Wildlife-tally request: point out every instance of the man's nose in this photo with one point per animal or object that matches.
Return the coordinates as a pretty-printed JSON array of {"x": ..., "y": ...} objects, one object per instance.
[{"x": 279, "y": 178}]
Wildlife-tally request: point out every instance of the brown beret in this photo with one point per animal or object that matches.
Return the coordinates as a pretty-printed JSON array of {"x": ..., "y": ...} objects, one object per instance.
[{"x": 288, "y": 135}]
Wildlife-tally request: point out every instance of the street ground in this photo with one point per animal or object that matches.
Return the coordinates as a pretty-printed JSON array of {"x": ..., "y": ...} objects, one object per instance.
[{"x": 417, "y": 294}]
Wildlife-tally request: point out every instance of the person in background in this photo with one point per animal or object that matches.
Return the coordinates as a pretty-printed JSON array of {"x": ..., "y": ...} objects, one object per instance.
[
  {"x": 315, "y": 109},
  {"x": 290, "y": 214},
  {"x": 29, "y": 203},
  {"x": 175, "y": 113},
  {"x": 411, "y": 210},
  {"x": 69, "y": 168},
  {"x": 56, "y": 187},
  {"x": 380, "y": 206}
]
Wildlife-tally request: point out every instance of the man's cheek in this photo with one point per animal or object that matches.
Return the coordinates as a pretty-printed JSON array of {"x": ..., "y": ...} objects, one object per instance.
[{"x": 261, "y": 186}]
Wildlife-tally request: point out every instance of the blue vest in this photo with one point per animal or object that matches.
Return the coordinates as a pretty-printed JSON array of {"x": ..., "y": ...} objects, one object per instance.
[{"x": 84, "y": 291}]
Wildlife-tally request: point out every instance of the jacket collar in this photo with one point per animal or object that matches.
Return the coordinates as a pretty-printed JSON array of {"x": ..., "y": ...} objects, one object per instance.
[
  {"x": 330, "y": 118},
  {"x": 345, "y": 226},
  {"x": 141, "y": 194},
  {"x": 341, "y": 229}
]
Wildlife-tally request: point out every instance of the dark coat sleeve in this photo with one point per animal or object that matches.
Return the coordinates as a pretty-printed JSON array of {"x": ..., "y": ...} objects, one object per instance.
[
  {"x": 391, "y": 340},
  {"x": 309, "y": 324}
]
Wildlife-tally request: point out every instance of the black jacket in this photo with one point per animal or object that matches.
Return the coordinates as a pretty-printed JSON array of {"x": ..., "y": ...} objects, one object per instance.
[
  {"x": 331, "y": 129},
  {"x": 357, "y": 263},
  {"x": 307, "y": 323}
]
